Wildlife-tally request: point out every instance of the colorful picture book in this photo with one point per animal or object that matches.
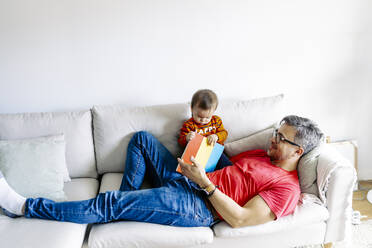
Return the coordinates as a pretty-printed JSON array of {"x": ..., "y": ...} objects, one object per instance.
[{"x": 204, "y": 154}]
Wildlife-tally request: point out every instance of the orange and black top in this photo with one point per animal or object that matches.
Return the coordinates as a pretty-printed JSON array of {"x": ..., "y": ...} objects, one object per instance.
[{"x": 215, "y": 126}]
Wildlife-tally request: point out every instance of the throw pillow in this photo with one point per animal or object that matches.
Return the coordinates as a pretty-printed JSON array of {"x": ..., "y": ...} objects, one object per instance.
[
  {"x": 260, "y": 140},
  {"x": 307, "y": 171},
  {"x": 35, "y": 167}
]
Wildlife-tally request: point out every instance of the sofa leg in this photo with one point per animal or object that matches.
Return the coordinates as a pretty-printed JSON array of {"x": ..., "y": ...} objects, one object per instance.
[{"x": 328, "y": 245}]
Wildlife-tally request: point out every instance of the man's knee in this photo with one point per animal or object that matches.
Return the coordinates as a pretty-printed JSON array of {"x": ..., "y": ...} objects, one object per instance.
[{"x": 142, "y": 136}]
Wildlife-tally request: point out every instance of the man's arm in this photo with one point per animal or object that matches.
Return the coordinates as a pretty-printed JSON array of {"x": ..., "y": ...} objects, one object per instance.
[{"x": 254, "y": 212}]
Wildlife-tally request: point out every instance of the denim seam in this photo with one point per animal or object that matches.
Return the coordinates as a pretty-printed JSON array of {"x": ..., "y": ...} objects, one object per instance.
[
  {"x": 54, "y": 212},
  {"x": 159, "y": 210},
  {"x": 111, "y": 211},
  {"x": 135, "y": 172}
]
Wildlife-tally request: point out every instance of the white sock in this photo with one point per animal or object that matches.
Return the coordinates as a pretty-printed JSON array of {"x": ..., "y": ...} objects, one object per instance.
[{"x": 9, "y": 199}]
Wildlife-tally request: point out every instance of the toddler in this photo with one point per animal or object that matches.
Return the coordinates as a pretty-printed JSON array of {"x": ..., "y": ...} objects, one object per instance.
[{"x": 203, "y": 105}]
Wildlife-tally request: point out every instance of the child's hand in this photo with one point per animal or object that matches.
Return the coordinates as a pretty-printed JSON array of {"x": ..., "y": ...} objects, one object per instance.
[
  {"x": 190, "y": 136},
  {"x": 212, "y": 139}
]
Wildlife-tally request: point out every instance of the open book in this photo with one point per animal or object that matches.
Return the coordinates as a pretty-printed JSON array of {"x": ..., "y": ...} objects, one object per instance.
[{"x": 204, "y": 154}]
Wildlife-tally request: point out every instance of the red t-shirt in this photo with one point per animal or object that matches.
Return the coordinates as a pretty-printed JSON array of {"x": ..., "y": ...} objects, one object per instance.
[{"x": 253, "y": 174}]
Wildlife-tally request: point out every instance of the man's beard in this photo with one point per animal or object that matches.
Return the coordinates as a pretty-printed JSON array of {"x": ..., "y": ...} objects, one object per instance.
[{"x": 275, "y": 154}]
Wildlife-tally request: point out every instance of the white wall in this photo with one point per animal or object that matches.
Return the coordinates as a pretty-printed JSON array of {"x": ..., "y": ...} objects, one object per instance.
[{"x": 68, "y": 55}]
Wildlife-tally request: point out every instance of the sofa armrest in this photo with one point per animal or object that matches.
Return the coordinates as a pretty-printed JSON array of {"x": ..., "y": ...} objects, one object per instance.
[{"x": 336, "y": 178}]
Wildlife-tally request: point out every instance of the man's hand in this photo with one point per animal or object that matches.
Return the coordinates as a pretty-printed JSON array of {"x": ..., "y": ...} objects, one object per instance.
[
  {"x": 190, "y": 136},
  {"x": 194, "y": 172},
  {"x": 212, "y": 139}
]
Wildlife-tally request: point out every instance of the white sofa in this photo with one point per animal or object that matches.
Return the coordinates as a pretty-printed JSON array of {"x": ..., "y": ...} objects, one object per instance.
[{"x": 96, "y": 142}]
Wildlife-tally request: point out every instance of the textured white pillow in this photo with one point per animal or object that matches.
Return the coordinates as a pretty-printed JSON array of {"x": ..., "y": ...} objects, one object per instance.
[
  {"x": 35, "y": 167},
  {"x": 260, "y": 140},
  {"x": 307, "y": 171}
]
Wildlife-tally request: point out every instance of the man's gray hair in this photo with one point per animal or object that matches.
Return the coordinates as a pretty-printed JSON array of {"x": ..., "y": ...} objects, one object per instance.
[{"x": 308, "y": 135}]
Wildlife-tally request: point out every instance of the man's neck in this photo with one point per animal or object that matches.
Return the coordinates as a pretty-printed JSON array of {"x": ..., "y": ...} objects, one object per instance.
[{"x": 287, "y": 165}]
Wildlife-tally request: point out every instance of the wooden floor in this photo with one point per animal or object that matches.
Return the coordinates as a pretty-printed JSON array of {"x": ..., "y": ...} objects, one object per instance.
[{"x": 360, "y": 202}]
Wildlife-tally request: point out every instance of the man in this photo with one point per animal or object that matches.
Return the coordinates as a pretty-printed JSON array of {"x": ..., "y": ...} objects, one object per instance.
[{"x": 259, "y": 187}]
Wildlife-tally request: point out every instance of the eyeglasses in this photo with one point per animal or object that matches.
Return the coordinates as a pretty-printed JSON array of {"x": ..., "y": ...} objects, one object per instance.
[{"x": 279, "y": 137}]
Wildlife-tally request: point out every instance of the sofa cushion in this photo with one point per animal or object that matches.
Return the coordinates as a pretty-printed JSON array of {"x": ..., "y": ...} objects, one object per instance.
[
  {"x": 36, "y": 233},
  {"x": 76, "y": 126},
  {"x": 308, "y": 236},
  {"x": 130, "y": 234},
  {"x": 115, "y": 125},
  {"x": 35, "y": 167},
  {"x": 112, "y": 181},
  {"x": 81, "y": 189},
  {"x": 305, "y": 214},
  {"x": 242, "y": 118},
  {"x": 127, "y": 234},
  {"x": 260, "y": 140}
]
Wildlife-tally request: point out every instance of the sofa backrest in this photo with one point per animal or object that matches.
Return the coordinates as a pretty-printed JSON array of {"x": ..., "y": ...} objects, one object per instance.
[
  {"x": 115, "y": 125},
  {"x": 242, "y": 118},
  {"x": 76, "y": 126}
]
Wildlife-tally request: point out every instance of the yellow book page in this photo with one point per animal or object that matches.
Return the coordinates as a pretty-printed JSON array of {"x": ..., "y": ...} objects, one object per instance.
[{"x": 204, "y": 152}]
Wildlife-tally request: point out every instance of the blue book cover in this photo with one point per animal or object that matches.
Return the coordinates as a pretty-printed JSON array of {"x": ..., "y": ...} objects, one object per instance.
[{"x": 214, "y": 157}]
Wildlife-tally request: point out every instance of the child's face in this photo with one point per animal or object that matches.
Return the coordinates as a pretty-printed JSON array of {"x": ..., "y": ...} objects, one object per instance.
[{"x": 202, "y": 116}]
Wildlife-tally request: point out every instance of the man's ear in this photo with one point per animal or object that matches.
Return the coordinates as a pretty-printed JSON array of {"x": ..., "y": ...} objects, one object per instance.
[{"x": 300, "y": 151}]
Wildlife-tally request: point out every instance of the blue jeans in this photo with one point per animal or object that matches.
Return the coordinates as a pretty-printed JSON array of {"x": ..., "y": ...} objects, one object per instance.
[
  {"x": 223, "y": 162},
  {"x": 174, "y": 201}
]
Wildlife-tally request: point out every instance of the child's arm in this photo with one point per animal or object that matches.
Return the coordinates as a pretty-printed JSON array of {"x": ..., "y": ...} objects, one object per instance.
[
  {"x": 221, "y": 132},
  {"x": 187, "y": 127}
]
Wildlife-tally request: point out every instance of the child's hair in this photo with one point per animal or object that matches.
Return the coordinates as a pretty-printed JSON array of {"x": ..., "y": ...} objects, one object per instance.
[{"x": 204, "y": 99}]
